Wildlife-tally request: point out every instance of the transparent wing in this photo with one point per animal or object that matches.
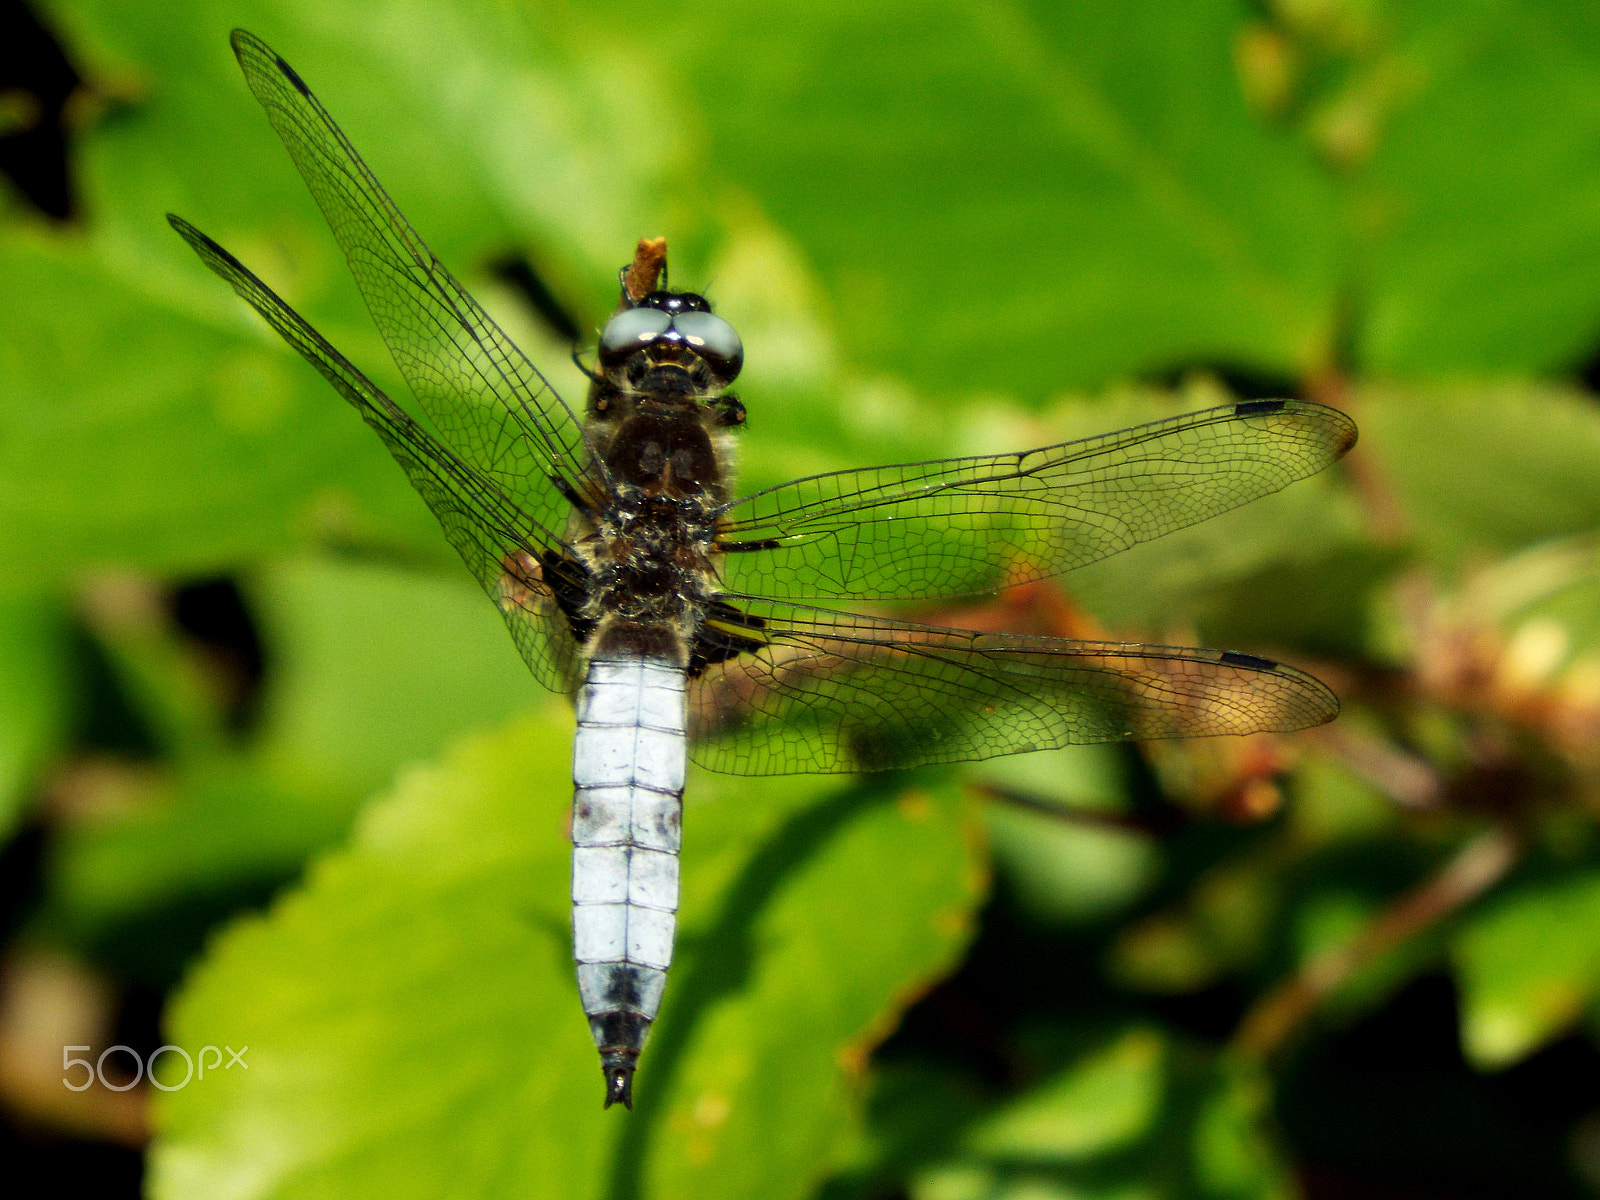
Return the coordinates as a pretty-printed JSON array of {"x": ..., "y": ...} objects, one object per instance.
[
  {"x": 805, "y": 689},
  {"x": 488, "y": 403},
  {"x": 964, "y": 526},
  {"x": 520, "y": 563}
]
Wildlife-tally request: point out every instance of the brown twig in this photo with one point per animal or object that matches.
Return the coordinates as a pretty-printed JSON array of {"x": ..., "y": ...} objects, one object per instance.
[
  {"x": 649, "y": 265},
  {"x": 1476, "y": 867},
  {"x": 1386, "y": 516},
  {"x": 1408, "y": 780},
  {"x": 1155, "y": 825}
]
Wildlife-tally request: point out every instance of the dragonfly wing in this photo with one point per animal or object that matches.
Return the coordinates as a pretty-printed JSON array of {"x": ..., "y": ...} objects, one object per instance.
[
  {"x": 805, "y": 689},
  {"x": 489, "y": 404},
  {"x": 522, "y": 565},
  {"x": 965, "y": 526}
]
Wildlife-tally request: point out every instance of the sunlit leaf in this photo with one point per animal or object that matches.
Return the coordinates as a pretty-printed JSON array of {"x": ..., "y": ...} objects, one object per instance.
[
  {"x": 430, "y": 962},
  {"x": 1486, "y": 467},
  {"x": 1528, "y": 967},
  {"x": 1477, "y": 206},
  {"x": 1103, "y": 1101}
]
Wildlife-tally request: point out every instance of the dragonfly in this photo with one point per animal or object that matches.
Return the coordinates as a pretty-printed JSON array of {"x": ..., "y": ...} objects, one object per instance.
[{"x": 684, "y": 618}]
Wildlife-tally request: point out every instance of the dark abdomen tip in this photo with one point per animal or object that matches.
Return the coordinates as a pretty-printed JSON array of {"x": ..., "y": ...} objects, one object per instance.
[{"x": 619, "y": 1084}]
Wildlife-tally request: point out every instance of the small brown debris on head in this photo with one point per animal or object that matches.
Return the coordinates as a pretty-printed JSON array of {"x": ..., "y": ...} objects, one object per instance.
[{"x": 649, "y": 265}]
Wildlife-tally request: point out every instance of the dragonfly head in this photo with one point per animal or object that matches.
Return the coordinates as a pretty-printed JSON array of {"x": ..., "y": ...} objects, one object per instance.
[{"x": 672, "y": 331}]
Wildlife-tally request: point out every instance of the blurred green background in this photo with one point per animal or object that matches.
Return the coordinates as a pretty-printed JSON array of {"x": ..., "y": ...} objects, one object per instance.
[{"x": 272, "y": 775}]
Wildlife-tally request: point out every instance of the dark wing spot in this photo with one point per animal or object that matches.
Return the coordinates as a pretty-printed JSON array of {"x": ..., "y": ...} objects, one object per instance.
[
  {"x": 1232, "y": 658},
  {"x": 288, "y": 73},
  {"x": 1257, "y": 408}
]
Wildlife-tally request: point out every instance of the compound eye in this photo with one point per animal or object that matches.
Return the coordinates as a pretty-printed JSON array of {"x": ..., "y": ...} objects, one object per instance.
[
  {"x": 713, "y": 339},
  {"x": 631, "y": 330}
]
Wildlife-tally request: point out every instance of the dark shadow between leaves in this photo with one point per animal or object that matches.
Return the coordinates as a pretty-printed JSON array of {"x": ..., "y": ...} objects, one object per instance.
[
  {"x": 516, "y": 270},
  {"x": 722, "y": 960},
  {"x": 38, "y": 81},
  {"x": 1242, "y": 381}
]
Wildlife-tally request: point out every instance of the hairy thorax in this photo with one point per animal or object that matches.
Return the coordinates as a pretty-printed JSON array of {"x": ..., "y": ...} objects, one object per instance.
[{"x": 649, "y": 552}]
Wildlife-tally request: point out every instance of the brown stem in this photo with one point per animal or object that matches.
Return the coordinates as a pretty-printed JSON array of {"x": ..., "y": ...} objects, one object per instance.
[
  {"x": 1476, "y": 867},
  {"x": 1406, "y": 779},
  {"x": 649, "y": 264},
  {"x": 1386, "y": 516},
  {"x": 1155, "y": 826}
]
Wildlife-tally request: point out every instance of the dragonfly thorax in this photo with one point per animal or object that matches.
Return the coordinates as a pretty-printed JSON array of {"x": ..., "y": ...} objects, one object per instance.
[
  {"x": 649, "y": 563},
  {"x": 664, "y": 451}
]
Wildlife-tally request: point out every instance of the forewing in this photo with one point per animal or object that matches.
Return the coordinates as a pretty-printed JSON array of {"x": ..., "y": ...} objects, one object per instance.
[
  {"x": 519, "y": 562},
  {"x": 965, "y": 526},
  {"x": 823, "y": 691},
  {"x": 489, "y": 404}
]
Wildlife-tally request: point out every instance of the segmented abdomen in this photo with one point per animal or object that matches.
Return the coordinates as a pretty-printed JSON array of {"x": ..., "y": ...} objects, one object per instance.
[{"x": 628, "y": 765}]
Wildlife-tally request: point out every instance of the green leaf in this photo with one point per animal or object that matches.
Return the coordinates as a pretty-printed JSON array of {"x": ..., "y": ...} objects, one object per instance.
[
  {"x": 1486, "y": 467},
  {"x": 370, "y": 667},
  {"x": 136, "y": 435},
  {"x": 785, "y": 1006},
  {"x": 1334, "y": 805},
  {"x": 1479, "y": 204},
  {"x": 1138, "y": 1117},
  {"x": 1102, "y": 1102},
  {"x": 149, "y": 420},
  {"x": 374, "y": 666},
  {"x": 1089, "y": 191},
  {"x": 1235, "y": 1155},
  {"x": 35, "y": 700},
  {"x": 1528, "y": 965},
  {"x": 1225, "y": 923},
  {"x": 1032, "y": 198},
  {"x": 138, "y": 887},
  {"x": 429, "y": 965},
  {"x": 492, "y": 129},
  {"x": 1059, "y": 856},
  {"x": 1063, "y": 869}
]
